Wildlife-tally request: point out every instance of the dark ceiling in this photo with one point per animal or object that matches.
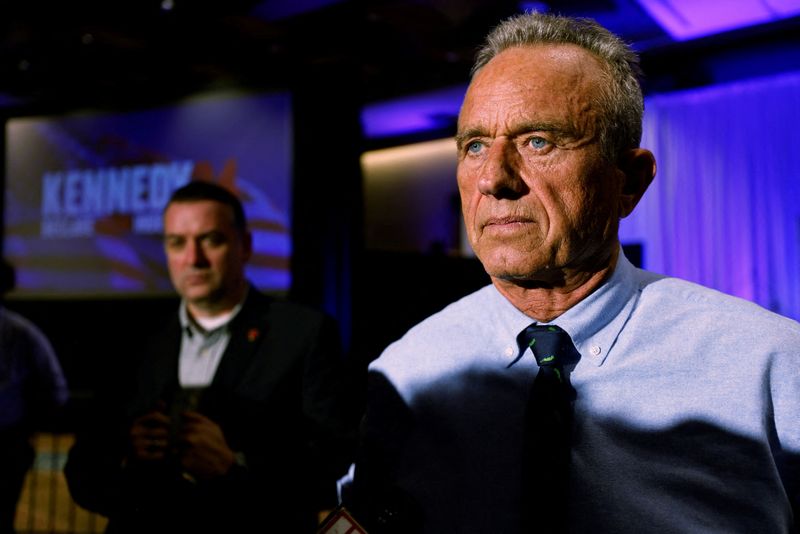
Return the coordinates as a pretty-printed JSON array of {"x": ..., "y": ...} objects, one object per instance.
[{"x": 60, "y": 56}]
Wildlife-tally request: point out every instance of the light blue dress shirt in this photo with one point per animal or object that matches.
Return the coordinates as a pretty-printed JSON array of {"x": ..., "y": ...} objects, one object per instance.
[{"x": 687, "y": 411}]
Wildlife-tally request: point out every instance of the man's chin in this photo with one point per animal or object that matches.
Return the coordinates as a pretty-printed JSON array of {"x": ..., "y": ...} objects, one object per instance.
[
  {"x": 531, "y": 281},
  {"x": 525, "y": 275},
  {"x": 197, "y": 295}
]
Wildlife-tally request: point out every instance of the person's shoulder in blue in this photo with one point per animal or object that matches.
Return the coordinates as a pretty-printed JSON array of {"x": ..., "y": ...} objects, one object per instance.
[{"x": 33, "y": 391}]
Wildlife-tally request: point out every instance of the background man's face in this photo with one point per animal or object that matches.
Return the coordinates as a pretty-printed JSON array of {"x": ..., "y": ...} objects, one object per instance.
[
  {"x": 537, "y": 195},
  {"x": 205, "y": 252}
]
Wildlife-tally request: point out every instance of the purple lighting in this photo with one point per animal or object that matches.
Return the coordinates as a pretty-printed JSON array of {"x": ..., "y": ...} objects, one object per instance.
[
  {"x": 436, "y": 110},
  {"x": 279, "y": 9},
  {"x": 689, "y": 19}
]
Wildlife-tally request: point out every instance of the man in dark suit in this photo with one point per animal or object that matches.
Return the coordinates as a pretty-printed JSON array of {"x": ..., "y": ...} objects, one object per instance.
[{"x": 237, "y": 417}]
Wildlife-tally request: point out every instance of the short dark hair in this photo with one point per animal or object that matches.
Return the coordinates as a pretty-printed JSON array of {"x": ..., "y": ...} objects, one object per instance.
[
  {"x": 201, "y": 190},
  {"x": 8, "y": 277}
]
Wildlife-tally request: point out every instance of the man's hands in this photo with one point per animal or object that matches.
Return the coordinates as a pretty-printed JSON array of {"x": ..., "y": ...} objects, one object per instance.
[
  {"x": 150, "y": 436},
  {"x": 202, "y": 448},
  {"x": 200, "y": 445}
]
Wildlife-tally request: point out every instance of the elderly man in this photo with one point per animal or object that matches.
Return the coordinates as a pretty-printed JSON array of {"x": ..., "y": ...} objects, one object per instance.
[
  {"x": 575, "y": 393},
  {"x": 236, "y": 419}
]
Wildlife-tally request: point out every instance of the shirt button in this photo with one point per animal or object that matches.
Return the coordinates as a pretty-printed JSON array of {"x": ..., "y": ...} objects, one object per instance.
[
  {"x": 595, "y": 350},
  {"x": 509, "y": 351}
]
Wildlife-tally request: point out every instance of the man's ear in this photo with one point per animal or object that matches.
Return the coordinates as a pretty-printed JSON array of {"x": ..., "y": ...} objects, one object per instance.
[{"x": 638, "y": 165}]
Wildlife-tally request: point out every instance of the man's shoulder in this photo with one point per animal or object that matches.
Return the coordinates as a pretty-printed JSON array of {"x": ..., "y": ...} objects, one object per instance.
[
  {"x": 430, "y": 342},
  {"x": 455, "y": 316},
  {"x": 720, "y": 309},
  {"x": 277, "y": 307},
  {"x": 283, "y": 317},
  {"x": 12, "y": 320},
  {"x": 20, "y": 327}
]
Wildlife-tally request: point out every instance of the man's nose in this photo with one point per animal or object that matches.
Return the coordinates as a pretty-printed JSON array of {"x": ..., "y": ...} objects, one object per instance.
[
  {"x": 500, "y": 171},
  {"x": 196, "y": 255}
]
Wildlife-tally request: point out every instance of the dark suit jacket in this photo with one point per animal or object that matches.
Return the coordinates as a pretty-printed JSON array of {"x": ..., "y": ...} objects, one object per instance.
[{"x": 280, "y": 397}]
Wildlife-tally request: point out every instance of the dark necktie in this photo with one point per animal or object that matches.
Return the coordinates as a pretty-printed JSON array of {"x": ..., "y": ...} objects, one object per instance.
[{"x": 548, "y": 428}]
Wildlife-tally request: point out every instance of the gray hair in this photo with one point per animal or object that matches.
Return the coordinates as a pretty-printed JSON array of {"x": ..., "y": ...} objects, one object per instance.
[{"x": 621, "y": 102}]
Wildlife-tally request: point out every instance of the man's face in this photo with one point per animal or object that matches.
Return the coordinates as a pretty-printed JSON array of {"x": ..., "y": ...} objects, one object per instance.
[
  {"x": 536, "y": 193},
  {"x": 206, "y": 254}
]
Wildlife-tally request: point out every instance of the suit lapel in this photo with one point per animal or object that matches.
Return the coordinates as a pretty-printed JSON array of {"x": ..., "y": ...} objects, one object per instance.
[
  {"x": 159, "y": 376},
  {"x": 248, "y": 330}
]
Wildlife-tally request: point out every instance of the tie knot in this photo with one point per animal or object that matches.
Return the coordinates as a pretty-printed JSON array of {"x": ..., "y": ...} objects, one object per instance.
[{"x": 551, "y": 345}]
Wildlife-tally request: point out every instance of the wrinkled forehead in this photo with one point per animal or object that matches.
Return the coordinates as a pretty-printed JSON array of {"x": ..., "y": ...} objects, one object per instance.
[
  {"x": 557, "y": 60},
  {"x": 545, "y": 76}
]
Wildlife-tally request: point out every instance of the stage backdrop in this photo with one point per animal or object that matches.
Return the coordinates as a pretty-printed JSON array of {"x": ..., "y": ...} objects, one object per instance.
[
  {"x": 724, "y": 209},
  {"x": 84, "y": 193}
]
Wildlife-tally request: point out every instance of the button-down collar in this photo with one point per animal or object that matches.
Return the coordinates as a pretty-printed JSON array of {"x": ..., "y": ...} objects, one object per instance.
[{"x": 596, "y": 321}]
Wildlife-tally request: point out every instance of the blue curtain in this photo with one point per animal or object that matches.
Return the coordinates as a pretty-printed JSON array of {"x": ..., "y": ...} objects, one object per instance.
[{"x": 724, "y": 209}]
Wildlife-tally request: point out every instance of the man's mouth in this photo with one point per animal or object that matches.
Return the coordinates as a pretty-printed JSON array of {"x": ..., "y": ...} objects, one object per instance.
[
  {"x": 506, "y": 222},
  {"x": 196, "y": 278}
]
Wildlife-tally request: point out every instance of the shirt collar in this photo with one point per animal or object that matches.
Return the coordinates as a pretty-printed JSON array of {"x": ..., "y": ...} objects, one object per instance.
[
  {"x": 595, "y": 322},
  {"x": 189, "y": 323}
]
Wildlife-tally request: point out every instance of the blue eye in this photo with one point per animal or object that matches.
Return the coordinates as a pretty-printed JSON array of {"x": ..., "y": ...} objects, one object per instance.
[
  {"x": 474, "y": 147},
  {"x": 538, "y": 142}
]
